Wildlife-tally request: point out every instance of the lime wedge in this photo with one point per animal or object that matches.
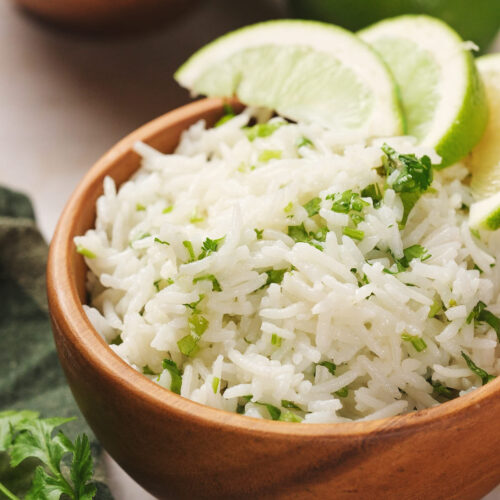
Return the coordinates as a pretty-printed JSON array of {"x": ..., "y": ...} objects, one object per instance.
[
  {"x": 305, "y": 70},
  {"x": 485, "y": 214},
  {"x": 443, "y": 97},
  {"x": 484, "y": 161}
]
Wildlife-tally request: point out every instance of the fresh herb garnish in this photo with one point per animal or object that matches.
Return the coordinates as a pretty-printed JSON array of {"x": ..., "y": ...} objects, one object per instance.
[
  {"x": 373, "y": 191},
  {"x": 288, "y": 416},
  {"x": 355, "y": 234},
  {"x": 163, "y": 242},
  {"x": 442, "y": 390},
  {"x": 228, "y": 114},
  {"x": 288, "y": 208},
  {"x": 210, "y": 277},
  {"x": 274, "y": 412},
  {"x": 189, "y": 247},
  {"x": 23, "y": 435},
  {"x": 300, "y": 235},
  {"x": 414, "y": 177},
  {"x": 175, "y": 375},
  {"x": 262, "y": 130},
  {"x": 259, "y": 233},
  {"x": 312, "y": 206},
  {"x": 331, "y": 367},
  {"x": 417, "y": 342},
  {"x": 139, "y": 207},
  {"x": 209, "y": 246},
  {"x": 290, "y": 405},
  {"x": 215, "y": 384},
  {"x": 197, "y": 324},
  {"x": 194, "y": 305},
  {"x": 275, "y": 276},
  {"x": 270, "y": 154},
  {"x": 188, "y": 345},
  {"x": 168, "y": 209},
  {"x": 304, "y": 141},
  {"x": 276, "y": 340},
  {"x": 436, "y": 307},
  {"x": 162, "y": 283},
  {"x": 346, "y": 202},
  {"x": 85, "y": 252},
  {"x": 475, "y": 233},
  {"x": 146, "y": 370},
  {"x": 342, "y": 393},
  {"x": 482, "y": 374},
  {"x": 480, "y": 314}
]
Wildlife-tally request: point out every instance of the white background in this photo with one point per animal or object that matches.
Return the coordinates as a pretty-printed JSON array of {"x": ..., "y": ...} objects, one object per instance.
[{"x": 66, "y": 98}]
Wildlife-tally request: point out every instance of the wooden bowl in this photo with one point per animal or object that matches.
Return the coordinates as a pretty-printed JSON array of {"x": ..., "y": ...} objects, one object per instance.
[
  {"x": 107, "y": 16},
  {"x": 177, "y": 448}
]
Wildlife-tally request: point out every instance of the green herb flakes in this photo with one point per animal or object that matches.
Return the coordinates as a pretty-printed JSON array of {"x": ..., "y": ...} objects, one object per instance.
[
  {"x": 276, "y": 340},
  {"x": 228, "y": 115},
  {"x": 355, "y": 234},
  {"x": 274, "y": 412},
  {"x": 197, "y": 324},
  {"x": 210, "y": 277},
  {"x": 342, "y": 393},
  {"x": 139, "y": 207},
  {"x": 146, "y": 370},
  {"x": 162, "y": 283},
  {"x": 304, "y": 142},
  {"x": 436, "y": 308},
  {"x": 298, "y": 233},
  {"x": 417, "y": 342},
  {"x": 331, "y": 367},
  {"x": 189, "y": 247},
  {"x": 175, "y": 374},
  {"x": 373, "y": 191},
  {"x": 259, "y": 233},
  {"x": 262, "y": 130},
  {"x": 188, "y": 345},
  {"x": 194, "y": 305},
  {"x": 157, "y": 240},
  {"x": 85, "y": 252},
  {"x": 215, "y": 384},
  {"x": 312, "y": 206},
  {"x": 288, "y": 208},
  {"x": 288, "y": 416},
  {"x": 482, "y": 374},
  {"x": 346, "y": 202},
  {"x": 270, "y": 154},
  {"x": 167, "y": 210},
  {"x": 209, "y": 246},
  {"x": 290, "y": 405},
  {"x": 480, "y": 314},
  {"x": 275, "y": 276}
]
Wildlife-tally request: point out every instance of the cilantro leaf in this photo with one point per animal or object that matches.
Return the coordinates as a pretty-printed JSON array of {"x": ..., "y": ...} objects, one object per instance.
[
  {"x": 209, "y": 246},
  {"x": 259, "y": 233},
  {"x": 346, "y": 202},
  {"x": 276, "y": 340},
  {"x": 270, "y": 154},
  {"x": 304, "y": 141},
  {"x": 209, "y": 277},
  {"x": 275, "y": 276},
  {"x": 290, "y": 404},
  {"x": 146, "y": 370},
  {"x": 331, "y": 367},
  {"x": 228, "y": 114},
  {"x": 194, "y": 305},
  {"x": 481, "y": 314},
  {"x": 274, "y": 412},
  {"x": 298, "y": 233},
  {"x": 417, "y": 342},
  {"x": 373, "y": 191},
  {"x": 355, "y": 234},
  {"x": 82, "y": 469},
  {"x": 312, "y": 206},
  {"x": 482, "y": 374},
  {"x": 189, "y": 247},
  {"x": 262, "y": 130},
  {"x": 288, "y": 416},
  {"x": 163, "y": 242},
  {"x": 342, "y": 393},
  {"x": 414, "y": 177},
  {"x": 175, "y": 375},
  {"x": 85, "y": 252}
]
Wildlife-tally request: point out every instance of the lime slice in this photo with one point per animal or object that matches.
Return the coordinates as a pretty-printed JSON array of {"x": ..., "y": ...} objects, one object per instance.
[
  {"x": 443, "y": 97},
  {"x": 484, "y": 161},
  {"x": 485, "y": 214},
  {"x": 305, "y": 70}
]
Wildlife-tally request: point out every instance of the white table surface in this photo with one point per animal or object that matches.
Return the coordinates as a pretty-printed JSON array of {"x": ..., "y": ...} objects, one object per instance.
[{"x": 65, "y": 99}]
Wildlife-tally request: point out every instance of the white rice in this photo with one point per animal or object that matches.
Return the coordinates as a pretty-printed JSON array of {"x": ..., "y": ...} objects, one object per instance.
[{"x": 322, "y": 310}]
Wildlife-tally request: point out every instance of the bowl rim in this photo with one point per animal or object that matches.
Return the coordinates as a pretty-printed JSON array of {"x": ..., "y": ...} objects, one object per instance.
[{"x": 67, "y": 313}]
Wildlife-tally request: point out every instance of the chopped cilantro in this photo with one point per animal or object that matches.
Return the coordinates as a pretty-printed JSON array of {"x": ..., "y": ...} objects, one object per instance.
[
  {"x": 373, "y": 191},
  {"x": 146, "y": 370},
  {"x": 85, "y": 252},
  {"x": 416, "y": 252},
  {"x": 269, "y": 154},
  {"x": 442, "y": 390},
  {"x": 189, "y": 247},
  {"x": 275, "y": 276},
  {"x": 288, "y": 208},
  {"x": 175, "y": 375},
  {"x": 167, "y": 210},
  {"x": 312, "y": 206},
  {"x": 188, "y": 345},
  {"x": 355, "y": 234},
  {"x": 288, "y": 416},
  {"x": 197, "y": 324},
  {"x": 157, "y": 240},
  {"x": 210, "y": 277},
  {"x": 331, "y": 367},
  {"x": 209, "y": 246},
  {"x": 320, "y": 234},
  {"x": 436, "y": 307},
  {"x": 276, "y": 340},
  {"x": 195, "y": 217},
  {"x": 262, "y": 130},
  {"x": 482, "y": 374},
  {"x": 477, "y": 268},
  {"x": 144, "y": 235},
  {"x": 347, "y": 201},
  {"x": 298, "y": 233},
  {"x": 215, "y": 384},
  {"x": 414, "y": 177},
  {"x": 228, "y": 114},
  {"x": 259, "y": 233},
  {"x": 139, "y": 207},
  {"x": 475, "y": 233},
  {"x": 274, "y": 412},
  {"x": 290, "y": 404},
  {"x": 304, "y": 141},
  {"x": 161, "y": 283},
  {"x": 194, "y": 305},
  {"x": 117, "y": 340},
  {"x": 342, "y": 393},
  {"x": 417, "y": 342},
  {"x": 480, "y": 314}
]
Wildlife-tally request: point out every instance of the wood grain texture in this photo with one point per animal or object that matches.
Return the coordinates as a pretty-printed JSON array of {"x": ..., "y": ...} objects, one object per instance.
[
  {"x": 107, "y": 16},
  {"x": 176, "y": 448}
]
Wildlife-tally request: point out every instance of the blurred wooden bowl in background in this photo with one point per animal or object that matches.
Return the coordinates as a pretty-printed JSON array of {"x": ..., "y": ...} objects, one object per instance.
[{"x": 107, "y": 16}]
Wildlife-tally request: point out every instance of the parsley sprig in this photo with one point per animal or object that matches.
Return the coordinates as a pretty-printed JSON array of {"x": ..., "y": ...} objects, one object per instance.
[{"x": 24, "y": 435}]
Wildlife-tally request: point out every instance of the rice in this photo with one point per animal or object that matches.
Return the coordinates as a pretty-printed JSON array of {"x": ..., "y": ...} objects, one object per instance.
[{"x": 194, "y": 255}]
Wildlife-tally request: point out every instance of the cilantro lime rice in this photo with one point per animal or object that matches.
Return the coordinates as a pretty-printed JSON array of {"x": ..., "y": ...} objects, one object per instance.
[{"x": 287, "y": 272}]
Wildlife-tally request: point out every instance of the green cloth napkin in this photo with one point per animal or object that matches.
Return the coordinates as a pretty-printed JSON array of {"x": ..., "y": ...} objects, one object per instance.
[{"x": 30, "y": 375}]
